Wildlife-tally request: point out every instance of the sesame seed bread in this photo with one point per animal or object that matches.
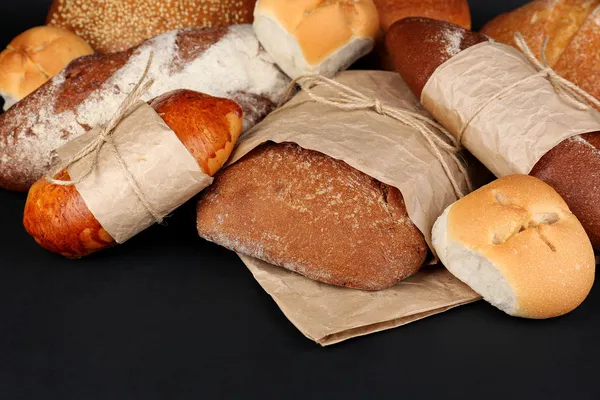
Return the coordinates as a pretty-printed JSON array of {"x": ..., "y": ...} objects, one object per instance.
[
  {"x": 222, "y": 62},
  {"x": 571, "y": 168},
  {"x": 35, "y": 56},
  {"x": 573, "y": 30},
  {"x": 111, "y": 26},
  {"x": 304, "y": 211},
  {"x": 316, "y": 37},
  {"x": 516, "y": 243}
]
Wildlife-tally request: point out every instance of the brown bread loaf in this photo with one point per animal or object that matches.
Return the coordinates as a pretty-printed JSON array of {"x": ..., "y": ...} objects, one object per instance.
[
  {"x": 58, "y": 218},
  {"x": 573, "y": 30},
  {"x": 111, "y": 26},
  {"x": 314, "y": 215},
  {"x": 222, "y": 62},
  {"x": 570, "y": 168}
]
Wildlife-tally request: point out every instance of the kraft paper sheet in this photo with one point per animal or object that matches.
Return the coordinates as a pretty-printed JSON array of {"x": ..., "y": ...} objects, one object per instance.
[
  {"x": 165, "y": 171},
  {"x": 512, "y": 133},
  {"x": 390, "y": 152}
]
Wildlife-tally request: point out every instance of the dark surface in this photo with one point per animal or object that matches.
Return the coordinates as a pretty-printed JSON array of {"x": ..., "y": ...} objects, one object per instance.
[{"x": 170, "y": 316}]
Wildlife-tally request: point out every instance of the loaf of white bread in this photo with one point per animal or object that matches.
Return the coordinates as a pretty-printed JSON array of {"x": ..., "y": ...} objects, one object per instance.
[
  {"x": 517, "y": 244},
  {"x": 316, "y": 37}
]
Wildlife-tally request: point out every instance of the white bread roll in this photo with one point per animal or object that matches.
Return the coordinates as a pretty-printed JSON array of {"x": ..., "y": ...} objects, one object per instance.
[
  {"x": 315, "y": 36},
  {"x": 516, "y": 243},
  {"x": 35, "y": 56}
]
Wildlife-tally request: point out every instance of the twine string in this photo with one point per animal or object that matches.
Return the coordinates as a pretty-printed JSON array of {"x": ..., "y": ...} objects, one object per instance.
[
  {"x": 350, "y": 99},
  {"x": 104, "y": 137},
  {"x": 575, "y": 96}
]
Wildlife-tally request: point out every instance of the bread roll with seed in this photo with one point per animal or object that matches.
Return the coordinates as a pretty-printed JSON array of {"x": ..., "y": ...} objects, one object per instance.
[
  {"x": 111, "y": 26},
  {"x": 58, "y": 218},
  {"x": 570, "y": 167},
  {"x": 516, "y": 243}
]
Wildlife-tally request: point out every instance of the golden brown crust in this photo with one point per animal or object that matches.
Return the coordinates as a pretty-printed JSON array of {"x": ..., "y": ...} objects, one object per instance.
[
  {"x": 35, "y": 56},
  {"x": 455, "y": 11},
  {"x": 525, "y": 229},
  {"x": 573, "y": 30},
  {"x": 309, "y": 213},
  {"x": 111, "y": 26},
  {"x": 57, "y": 216}
]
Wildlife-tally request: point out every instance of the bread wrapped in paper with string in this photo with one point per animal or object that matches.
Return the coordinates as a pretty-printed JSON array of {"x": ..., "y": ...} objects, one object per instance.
[
  {"x": 342, "y": 184},
  {"x": 120, "y": 178},
  {"x": 511, "y": 111}
]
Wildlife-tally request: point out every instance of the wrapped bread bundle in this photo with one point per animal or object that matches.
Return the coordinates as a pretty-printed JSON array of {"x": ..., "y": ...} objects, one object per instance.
[
  {"x": 341, "y": 185},
  {"x": 121, "y": 177},
  {"x": 513, "y": 112}
]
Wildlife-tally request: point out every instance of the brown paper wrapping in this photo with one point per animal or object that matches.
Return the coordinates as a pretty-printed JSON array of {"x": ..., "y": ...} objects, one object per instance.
[
  {"x": 390, "y": 152},
  {"x": 165, "y": 171},
  {"x": 512, "y": 133}
]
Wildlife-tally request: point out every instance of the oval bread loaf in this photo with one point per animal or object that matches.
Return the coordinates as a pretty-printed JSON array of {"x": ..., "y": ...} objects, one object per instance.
[
  {"x": 516, "y": 243},
  {"x": 312, "y": 214},
  {"x": 57, "y": 217},
  {"x": 570, "y": 167}
]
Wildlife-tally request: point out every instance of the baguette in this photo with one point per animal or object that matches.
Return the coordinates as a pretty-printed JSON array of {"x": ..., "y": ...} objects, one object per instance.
[
  {"x": 570, "y": 167},
  {"x": 312, "y": 214},
  {"x": 222, "y": 62},
  {"x": 57, "y": 216}
]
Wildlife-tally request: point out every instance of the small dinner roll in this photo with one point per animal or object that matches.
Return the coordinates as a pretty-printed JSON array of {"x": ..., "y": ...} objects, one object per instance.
[
  {"x": 517, "y": 244},
  {"x": 316, "y": 37}
]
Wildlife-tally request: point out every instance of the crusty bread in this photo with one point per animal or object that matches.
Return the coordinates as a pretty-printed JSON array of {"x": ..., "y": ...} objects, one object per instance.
[
  {"x": 570, "y": 168},
  {"x": 455, "y": 11},
  {"x": 573, "y": 30},
  {"x": 516, "y": 243},
  {"x": 111, "y": 26},
  {"x": 309, "y": 213},
  {"x": 35, "y": 56},
  {"x": 222, "y": 62},
  {"x": 308, "y": 37},
  {"x": 57, "y": 216}
]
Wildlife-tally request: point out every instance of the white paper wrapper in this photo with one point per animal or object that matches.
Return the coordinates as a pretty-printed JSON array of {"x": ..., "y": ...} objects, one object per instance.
[
  {"x": 165, "y": 171},
  {"x": 514, "y": 131},
  {"x": 390, "y": 152}
]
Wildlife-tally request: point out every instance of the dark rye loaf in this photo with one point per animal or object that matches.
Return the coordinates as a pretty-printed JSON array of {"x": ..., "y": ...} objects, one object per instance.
[
  {"x": 223, "y": 62},
  {"x": 314, "y": 215},
  {"x": 572, "y": 168}
]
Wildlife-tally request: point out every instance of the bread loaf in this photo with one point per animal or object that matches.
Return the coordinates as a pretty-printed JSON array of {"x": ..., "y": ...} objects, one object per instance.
[
  {"x": 308, "y": 37},
  {"x": 35, "y": 56},
  {"x": 312, "y": 214},
  {"x": 223, "y": 62},
  {"x": 57, "y": 216},
  {"x": 570, "y": 168},
  {"x": 573, "y": 30},
  {"x": 111, "y": 26},
  {"x": 455, "y": 11},
  {"x": 516, "y": 243}
]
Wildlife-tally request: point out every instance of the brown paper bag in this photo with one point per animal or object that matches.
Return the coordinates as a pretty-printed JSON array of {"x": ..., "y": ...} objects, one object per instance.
[{"x": 391, "y": 152}]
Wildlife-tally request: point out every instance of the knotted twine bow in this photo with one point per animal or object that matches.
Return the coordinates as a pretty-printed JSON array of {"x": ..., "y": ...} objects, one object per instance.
[
  {"x": 127, "y": 107},
  {"x": 575, "y": 96},
  {"x": 350, "y": 99}
]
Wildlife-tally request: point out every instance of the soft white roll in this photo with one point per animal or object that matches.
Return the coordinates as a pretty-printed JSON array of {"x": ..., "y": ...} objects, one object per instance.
[
  {"x": 517, "y": 244},
  {"x": 315, "y": 36}
]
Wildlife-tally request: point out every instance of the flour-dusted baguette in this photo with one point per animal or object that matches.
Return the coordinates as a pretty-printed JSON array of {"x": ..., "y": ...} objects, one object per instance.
[
  {"x": 312, "y": 214},
  {"x": 223, "y": 62},
  {"x": 57, "y": 216},
  {"x": 570, "y": 167}
]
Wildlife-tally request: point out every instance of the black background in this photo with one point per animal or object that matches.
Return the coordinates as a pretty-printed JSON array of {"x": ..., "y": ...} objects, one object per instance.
[{"x": 170, "y": 316}]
